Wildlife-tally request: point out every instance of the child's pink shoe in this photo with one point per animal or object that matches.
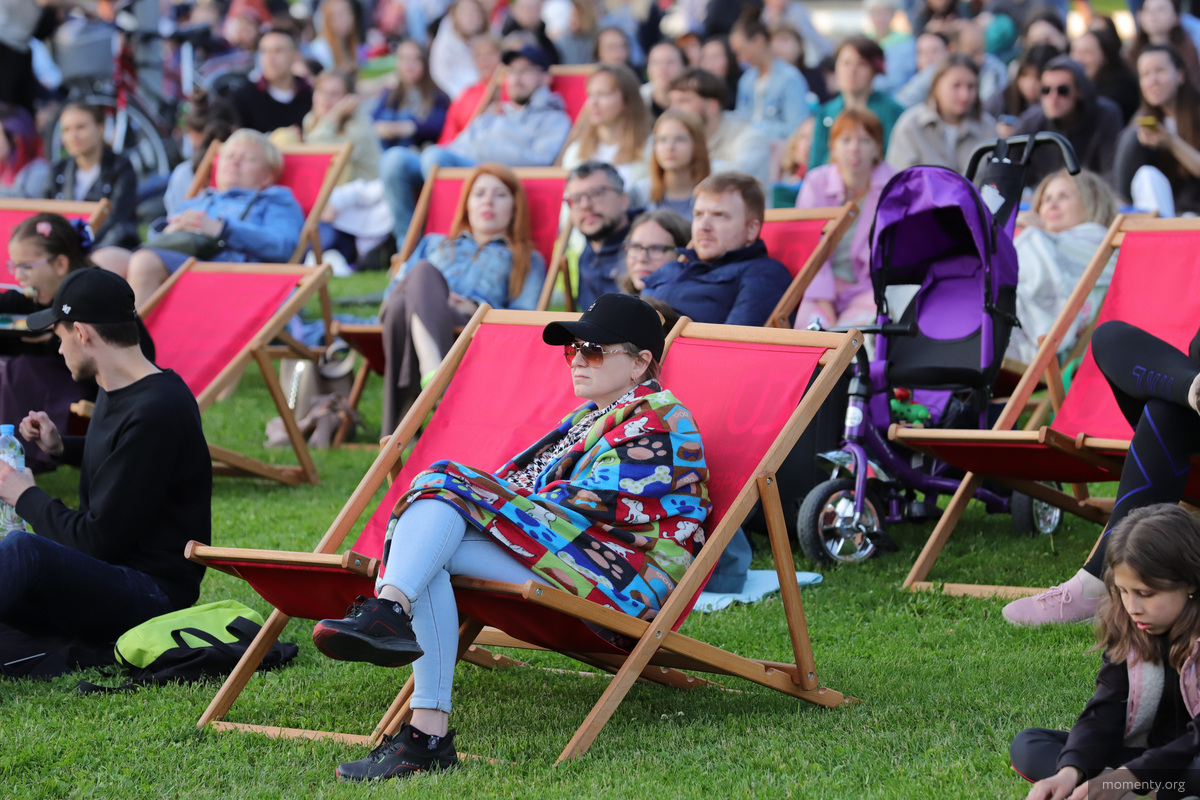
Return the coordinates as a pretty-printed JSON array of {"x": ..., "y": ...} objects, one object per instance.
[{"x": 1062, "y": 603}]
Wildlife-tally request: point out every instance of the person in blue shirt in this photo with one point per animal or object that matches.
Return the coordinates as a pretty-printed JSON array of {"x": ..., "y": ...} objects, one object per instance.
[
  {"x": 727, "y": 276},
  {"x": 252, "y": 219},
  {"x": 771, "y": 92},
  {"x": 595, "y": 194},
  {"x": 488, "y": 257},
  {"x": 413, "y": 112}
]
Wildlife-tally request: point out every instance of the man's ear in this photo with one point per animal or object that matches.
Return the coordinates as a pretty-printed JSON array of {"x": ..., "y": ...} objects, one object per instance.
[
  {"x": 84, "y": 332},
  {"x": 753, "y": 229}
]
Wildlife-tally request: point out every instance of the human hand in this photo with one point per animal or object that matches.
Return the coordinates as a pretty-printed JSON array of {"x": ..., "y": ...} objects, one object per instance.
[
  {"x": 1029, "y": 219},
  {"x": 1057, "y": 786},
  {"x": 1156, "y": 137},
  {"x": 40, "y": 430},
  {"x": 344, "y": 109},
  {"x": 194, "y": 221},
  {"x": 1113, "y": 784},
  {"x": 463, "y": 305},
  {"x": 13, "y": 483}
]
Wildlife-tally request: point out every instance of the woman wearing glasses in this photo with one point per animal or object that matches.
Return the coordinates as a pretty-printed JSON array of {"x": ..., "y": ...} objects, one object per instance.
[
  {"x": 655, "y": 239},
  {"x": 42, "y": 251},
  {"x": 678, "y": 162},
  {"x": 608, "y": 506},
  {"x": 488, "y": 257}
]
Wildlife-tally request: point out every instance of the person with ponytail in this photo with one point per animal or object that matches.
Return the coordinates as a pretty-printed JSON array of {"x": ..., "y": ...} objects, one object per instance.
[{"x": 42, "y": 251}]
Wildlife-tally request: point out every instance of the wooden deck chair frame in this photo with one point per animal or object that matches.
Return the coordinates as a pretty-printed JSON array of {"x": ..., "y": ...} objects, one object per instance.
[
  {"x": 660, "y": 651},
  {"x": 839, "y": 220},
  {"x": 309, "y": 235},
  {"x": 412, "y": 237},
  {"x": 1102, "y": 452},
  {"x": 311, "y": 281}
]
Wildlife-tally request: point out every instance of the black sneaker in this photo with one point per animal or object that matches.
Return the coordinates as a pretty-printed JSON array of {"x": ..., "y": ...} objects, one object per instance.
[
  {"x": 401, "y": 756},
  {"x": 375, "y": 631}
]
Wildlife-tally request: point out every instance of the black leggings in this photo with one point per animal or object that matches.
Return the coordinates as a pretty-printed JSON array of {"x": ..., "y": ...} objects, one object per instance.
[{"x": 1150, "y": 380}]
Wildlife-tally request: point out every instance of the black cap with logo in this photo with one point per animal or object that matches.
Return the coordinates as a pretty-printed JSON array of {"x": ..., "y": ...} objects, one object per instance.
[
  {"x": 87, "y": 295},
  {"x": 612, "y": 319}
]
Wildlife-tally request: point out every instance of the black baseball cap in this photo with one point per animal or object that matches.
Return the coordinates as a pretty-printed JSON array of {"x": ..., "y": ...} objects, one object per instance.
[
  {"x": 612, "y": 319},
  {"x": 91, "y": 295},
  {"x": 532, "y": 54}
]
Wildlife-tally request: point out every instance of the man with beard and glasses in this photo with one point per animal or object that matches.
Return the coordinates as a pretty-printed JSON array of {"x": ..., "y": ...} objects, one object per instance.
[
  {"x": 85, "y": 576},
  {"x": 595, "y": 193}
]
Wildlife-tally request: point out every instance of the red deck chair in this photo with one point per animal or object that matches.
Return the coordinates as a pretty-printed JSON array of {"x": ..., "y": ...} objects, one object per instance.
[
  {"x": 1089, "y": 438},
  {"x": 311, "y": 171},
  {"x": 210, "y": 320},
  {"x": 434, "y": 212},
  {"x": 803, "y": 239},
  {"x": 14, "y": 212},
  {"x": 747, "y": 433}
]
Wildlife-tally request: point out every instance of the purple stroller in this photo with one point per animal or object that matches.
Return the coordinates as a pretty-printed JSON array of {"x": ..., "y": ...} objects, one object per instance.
[{"x": 934, "y": 365}]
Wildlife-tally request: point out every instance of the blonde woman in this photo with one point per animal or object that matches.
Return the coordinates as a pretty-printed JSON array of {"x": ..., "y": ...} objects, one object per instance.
[
  {"x": 614, "y": 125},
  {"x": 678, "y": 162},
  {"x": 1067, "y": 221}
]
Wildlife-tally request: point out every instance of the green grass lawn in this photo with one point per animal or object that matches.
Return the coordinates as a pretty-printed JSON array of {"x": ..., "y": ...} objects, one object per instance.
[{"x": 944, "y": 682}]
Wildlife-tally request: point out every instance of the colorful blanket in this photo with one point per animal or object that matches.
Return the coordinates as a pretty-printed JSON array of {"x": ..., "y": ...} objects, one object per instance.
[{"x": 616, "y": 519}]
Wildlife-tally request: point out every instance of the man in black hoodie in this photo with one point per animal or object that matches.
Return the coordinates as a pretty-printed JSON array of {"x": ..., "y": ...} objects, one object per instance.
[
  {"x": 1070, "y": 106},
  {"x": 86, "y": 576}
]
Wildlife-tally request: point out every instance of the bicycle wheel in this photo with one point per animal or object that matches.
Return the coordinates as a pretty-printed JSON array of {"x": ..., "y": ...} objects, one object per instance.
[{"x": 151, "y": 153}]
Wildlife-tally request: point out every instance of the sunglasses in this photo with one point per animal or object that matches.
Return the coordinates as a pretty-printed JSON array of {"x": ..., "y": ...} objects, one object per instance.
[
  {"x": 1062, "y": 90},
  {"x": 592, "y": 353}
]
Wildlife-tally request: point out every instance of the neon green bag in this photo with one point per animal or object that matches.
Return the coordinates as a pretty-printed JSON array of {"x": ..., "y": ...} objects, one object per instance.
[{"x": 189, "y": 628}]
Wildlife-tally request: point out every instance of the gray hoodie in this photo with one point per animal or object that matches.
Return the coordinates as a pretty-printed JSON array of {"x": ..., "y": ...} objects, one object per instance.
[{"x": 517, "y": 136}]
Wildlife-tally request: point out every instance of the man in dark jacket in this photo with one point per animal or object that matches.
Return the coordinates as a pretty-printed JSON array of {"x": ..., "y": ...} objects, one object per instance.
[
  {"x": 600, "y": 211},
  {"x": 279, "y": 99},
  {"x": 727, "y": 277},
  {"x": 86, "y": 576},
  {"x": 1070, "y": 106}
]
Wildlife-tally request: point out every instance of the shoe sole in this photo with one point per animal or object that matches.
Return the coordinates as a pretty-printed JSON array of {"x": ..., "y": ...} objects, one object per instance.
[{"x": 380, "y": 651}]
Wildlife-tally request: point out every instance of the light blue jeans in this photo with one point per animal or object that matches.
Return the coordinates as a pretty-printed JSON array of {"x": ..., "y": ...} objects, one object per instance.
[
  {"x": 430, "y": 543},
  {"x": 403, "y": 170}
]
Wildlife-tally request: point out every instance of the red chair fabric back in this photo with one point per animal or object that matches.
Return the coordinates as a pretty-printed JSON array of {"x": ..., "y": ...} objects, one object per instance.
[
  {"x": 528, "y": 390},
  {"x": 303, "y": 173},
  {"x": 10, "y": 218},
  {"x": 792, "y": 241},
  {"x": 208, "y": 318},
  {"x": 1147, "y": 262},
  {"x": 545, "y": 195},
  {"x": 572, "y": 89}
]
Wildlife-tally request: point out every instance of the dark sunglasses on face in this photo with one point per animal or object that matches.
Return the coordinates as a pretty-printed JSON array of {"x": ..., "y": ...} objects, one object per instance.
[
  {"x": 592, "y": 353},
  {"x": 1061, "y": 89}
]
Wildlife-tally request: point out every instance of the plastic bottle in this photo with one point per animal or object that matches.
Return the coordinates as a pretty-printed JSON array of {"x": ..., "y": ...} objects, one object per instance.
[{"x": 12, "y": 453}]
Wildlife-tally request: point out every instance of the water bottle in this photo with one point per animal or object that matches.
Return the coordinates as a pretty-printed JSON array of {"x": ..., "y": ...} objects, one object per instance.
[{"x": 12, "y": 454}]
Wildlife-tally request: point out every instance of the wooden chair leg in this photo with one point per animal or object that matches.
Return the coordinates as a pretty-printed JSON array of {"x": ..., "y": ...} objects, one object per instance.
[
  {"x": 943, "y": 529},
  {"x": 247, "y": 664},
  {"x": 789, "y": 589}
]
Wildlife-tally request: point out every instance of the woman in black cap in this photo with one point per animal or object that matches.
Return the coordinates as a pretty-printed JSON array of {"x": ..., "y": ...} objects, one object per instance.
[{"x": 607, "y": 506}]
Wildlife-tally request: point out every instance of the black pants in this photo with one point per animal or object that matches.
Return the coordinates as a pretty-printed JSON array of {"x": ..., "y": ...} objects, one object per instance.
[
  {"x": 1150, "y": 380},
  {"x": 1034, "y": 754}
]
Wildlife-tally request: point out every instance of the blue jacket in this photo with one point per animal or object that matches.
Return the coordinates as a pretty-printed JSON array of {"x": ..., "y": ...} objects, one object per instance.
[
  {"x": 739, "y": 288},
  {"x": 478, "y": 273},
  {"x": 429, "y": 128},
  {"x": 268, "y": 233},
  {"x": 600, "y": 270},
  {"x": 785, "y": 100}
]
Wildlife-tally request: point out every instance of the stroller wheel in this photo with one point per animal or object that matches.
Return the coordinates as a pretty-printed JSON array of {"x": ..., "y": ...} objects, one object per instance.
[
  {"x": 1032, "y": 517},
  {"x": 826, "y": 528}
]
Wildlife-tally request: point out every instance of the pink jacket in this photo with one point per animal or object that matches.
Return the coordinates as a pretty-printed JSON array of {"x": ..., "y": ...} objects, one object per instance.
[
  {"x": 823, "y": 187},
  {"x": 1145, "y": 684}
]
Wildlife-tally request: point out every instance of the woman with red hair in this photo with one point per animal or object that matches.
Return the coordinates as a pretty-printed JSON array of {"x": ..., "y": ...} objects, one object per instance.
[
  {"x": 487, "y": 257},
  {"x": 23, "y": 171},
  {"x": 841, "y": 293}
]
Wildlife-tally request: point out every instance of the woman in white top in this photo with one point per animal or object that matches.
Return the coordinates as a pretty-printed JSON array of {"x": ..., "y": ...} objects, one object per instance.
[
  {"x": 451, "y": 62},
  {"x": 614, "y": 125},
  {"x": 1069, "y": 218}
]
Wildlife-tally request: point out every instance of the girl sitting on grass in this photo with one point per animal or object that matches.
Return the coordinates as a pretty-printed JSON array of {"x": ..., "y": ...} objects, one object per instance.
[{"x": 1138, "y": 732}]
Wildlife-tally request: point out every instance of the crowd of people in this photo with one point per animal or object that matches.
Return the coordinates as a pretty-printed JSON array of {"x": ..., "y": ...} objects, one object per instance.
[{"x": 699, "y": 116}]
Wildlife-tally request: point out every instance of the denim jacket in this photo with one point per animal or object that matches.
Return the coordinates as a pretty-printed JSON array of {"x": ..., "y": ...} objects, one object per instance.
[
  {"x": 478, "y": 273},
  {"x": 785, "y": 100},
  {"x": 269, "y": 231}
]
